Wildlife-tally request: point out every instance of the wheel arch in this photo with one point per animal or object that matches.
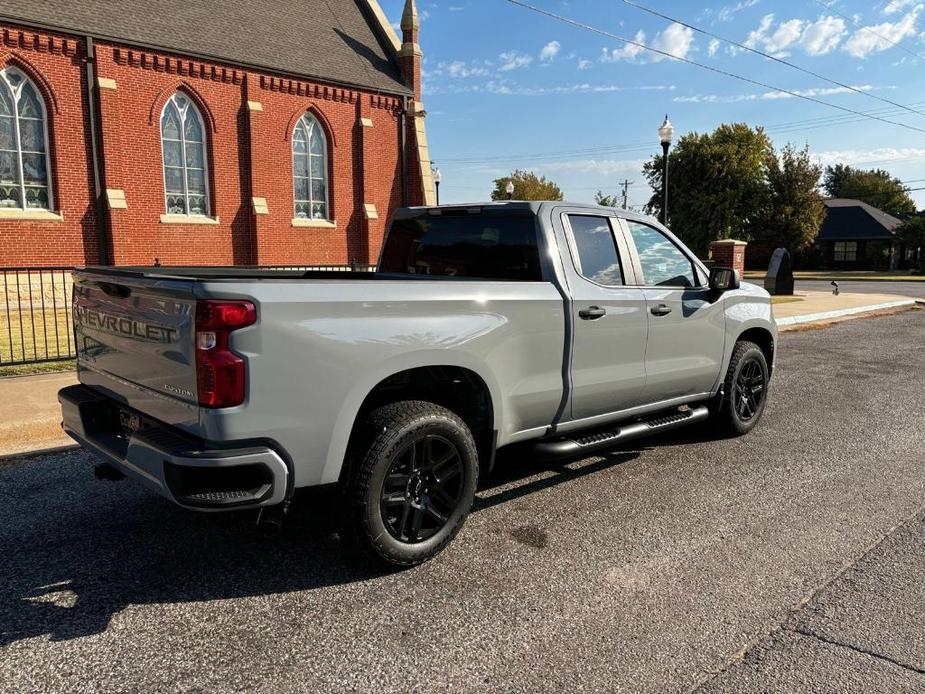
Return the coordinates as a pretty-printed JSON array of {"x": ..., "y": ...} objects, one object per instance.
[
  {"x": 460, "y": 387},
  {"x": 764, "y": 338}
]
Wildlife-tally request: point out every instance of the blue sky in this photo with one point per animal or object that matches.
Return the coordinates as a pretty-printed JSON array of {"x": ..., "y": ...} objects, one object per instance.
[{"x": 507, "y": 88}]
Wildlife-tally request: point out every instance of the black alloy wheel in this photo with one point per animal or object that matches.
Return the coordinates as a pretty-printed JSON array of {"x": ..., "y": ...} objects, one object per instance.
[
  {"x": 422, "y": 489},
  {"x": 410, "y": 481},
  {"x": 749, "y": 390},
  {"x": 738, "y": 407}
]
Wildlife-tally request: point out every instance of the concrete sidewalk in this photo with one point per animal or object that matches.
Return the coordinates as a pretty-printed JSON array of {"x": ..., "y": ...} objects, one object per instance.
[
  {"x": 30, "y": 417},
  {"x": 814, "y": 307}
]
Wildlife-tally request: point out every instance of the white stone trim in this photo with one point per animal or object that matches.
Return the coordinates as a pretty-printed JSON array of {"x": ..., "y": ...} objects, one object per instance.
[
  {"x": 115, "y": 199},
  {"x": 313, "y": 223},
  {"x": 384, "y": 24},
  {"x": 30, "y": 215},
  {"x": 188, "y": 219}
]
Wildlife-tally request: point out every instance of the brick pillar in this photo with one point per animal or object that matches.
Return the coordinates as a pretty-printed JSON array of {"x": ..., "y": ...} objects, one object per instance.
[
  {"x": 729, "y": 253},
  {"x": 409, "y": 56},
  {"x": 259, "y": 208}
]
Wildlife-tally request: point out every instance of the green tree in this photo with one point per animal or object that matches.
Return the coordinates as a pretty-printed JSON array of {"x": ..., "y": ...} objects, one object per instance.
[
  {"x": 605, "y": 200},
  {"x": 875, "y": 187},
  {"x": 527, "y": 186},
  {"x": 912, "y": 233},
  {"x": 793, "y": 209},
  {"x": 716, "y": 184}
]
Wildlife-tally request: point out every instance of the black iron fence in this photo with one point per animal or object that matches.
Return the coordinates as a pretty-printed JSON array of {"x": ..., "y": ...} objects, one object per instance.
[
  {"x": 35, "y": 315},
  {"x": 35, "y": 311}
]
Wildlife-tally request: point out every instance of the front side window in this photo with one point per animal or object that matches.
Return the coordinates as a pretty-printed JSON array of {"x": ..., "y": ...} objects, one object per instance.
[
  {"x": 310, "y": 169},
  {"x": 24, "y": 164},
  {"x": 183, "y": 143},
  {"x": 598, "y": 259},
  {"x": 846, "y": 251},
  {"x": 663, "y": 264}
]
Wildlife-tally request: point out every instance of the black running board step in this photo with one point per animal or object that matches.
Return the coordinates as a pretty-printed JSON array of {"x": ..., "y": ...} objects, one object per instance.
[{"x": 601, "y": 440}]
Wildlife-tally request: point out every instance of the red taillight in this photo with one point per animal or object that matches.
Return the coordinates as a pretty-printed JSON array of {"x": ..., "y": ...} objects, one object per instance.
[{"x": 219, "y": 371}]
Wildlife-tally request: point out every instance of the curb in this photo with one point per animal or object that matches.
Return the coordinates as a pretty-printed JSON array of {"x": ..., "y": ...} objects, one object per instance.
[
  {"x": 10, "y": 458},
  {"x": 841, "y": 313}
]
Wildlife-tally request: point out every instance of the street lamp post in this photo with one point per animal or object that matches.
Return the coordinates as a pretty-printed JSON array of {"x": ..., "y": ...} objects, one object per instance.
[
  {"x": 665, "y": 135},
  {"x": 438, "y": 177},
  {"x": 509, "y": 189}
]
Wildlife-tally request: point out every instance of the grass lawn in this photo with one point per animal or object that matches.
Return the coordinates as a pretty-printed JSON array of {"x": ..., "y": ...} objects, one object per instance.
[
  {"x": 785, "y": 299},
  {"x": 45, "y": 367},
  {"x": 870, "y": 275},
  {"x": 37, "y": 334}
]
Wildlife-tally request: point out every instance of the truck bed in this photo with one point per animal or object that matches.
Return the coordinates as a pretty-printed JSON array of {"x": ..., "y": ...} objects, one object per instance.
[{"x": 217, "y": 273}]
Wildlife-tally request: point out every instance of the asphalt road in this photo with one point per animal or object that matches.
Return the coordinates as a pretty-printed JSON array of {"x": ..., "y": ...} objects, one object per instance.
[
  {"x": 787, "y": 560},
  {"x": 913, "y": 289}
]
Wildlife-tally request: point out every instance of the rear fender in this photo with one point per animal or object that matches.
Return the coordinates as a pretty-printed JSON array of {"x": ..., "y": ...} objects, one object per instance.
[{"x": 347, "y": 415}]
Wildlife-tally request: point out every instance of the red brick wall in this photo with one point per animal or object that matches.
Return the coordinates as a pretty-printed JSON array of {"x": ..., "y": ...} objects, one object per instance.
[
  {"x": 249, "y": 154},
  {"x": 54, "y": 62}
]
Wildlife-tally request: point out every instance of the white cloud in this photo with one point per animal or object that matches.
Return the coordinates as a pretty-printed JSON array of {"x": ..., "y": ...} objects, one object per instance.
[
  {"x": 897, "y": 6},
  {"x": 584, "y": 64},
  {"x": 814, "y": 38},
  {"x": 550, "y": 51},
  {"x": 503, "y": 87},
  {"x": 629, "y": 52},
  {"x": 713, "y": 47},
  {"x": 512, "y": 60},
  {"x": 726, "y": 13},
  {"x": 880, "y": 37},
  {"x": 459, "y": 69},
  {"x": 855, "y": 157},
  {"x": 601, "y": 167},
  {"x": 675, "y": 40},
  {"x": 814, "y": 92},
  {"x": 823, "y": 35}
]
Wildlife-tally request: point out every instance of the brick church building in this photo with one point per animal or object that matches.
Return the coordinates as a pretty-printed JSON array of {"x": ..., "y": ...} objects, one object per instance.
[{"x": 205, "y": 132}]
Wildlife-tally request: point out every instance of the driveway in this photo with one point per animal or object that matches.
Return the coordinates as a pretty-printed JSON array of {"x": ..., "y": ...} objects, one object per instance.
[{"x": 787, "y": 560}]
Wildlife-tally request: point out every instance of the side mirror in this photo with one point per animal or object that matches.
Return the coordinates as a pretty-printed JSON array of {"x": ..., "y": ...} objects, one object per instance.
[{"x": 722, "y": 279}]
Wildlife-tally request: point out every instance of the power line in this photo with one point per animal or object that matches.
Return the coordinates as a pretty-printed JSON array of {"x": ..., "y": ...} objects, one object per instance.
[
  {"x": 869, "y": 30},
  {"x": 710, "y": 68},
  {"x": 771, "y": 57},
  {"x": 775, "y": 128}
]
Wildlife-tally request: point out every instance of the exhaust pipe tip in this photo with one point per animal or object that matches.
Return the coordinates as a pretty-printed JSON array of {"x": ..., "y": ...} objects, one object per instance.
[{"x": 270, "y": 519}]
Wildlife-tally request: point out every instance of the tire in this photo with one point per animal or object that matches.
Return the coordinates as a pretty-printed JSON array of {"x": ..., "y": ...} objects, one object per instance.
[
  {"x": 745, "y": 391},
  {"x": 411, "y": 483}
]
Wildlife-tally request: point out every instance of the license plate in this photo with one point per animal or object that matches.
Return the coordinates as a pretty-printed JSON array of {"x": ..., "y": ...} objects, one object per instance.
[{"x": 129, "y": 421}]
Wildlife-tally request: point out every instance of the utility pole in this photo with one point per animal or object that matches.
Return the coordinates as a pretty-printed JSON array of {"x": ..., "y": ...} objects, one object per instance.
[{"x": 625, "y": 185}]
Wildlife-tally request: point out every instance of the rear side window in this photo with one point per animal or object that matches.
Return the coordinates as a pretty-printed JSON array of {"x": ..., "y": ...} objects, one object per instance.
[
  {"x": 477, "y": 246},
  {"x": 663, "y": 263},
  {"x": 598, "y": 258}
]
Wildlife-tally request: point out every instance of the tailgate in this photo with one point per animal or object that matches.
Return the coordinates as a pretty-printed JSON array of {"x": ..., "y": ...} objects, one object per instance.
[{"x": 135, "y": 338}]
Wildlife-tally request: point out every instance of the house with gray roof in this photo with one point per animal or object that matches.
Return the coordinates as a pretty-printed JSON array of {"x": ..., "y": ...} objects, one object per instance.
[{"x": 855, "y": 235}]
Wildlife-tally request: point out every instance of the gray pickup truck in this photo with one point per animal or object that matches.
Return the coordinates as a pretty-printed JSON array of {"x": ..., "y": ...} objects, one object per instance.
[{"x": 573, "y": 327}]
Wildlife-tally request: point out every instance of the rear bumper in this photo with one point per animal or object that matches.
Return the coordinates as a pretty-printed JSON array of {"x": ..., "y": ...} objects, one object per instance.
[{"x": 187, "y": 471}]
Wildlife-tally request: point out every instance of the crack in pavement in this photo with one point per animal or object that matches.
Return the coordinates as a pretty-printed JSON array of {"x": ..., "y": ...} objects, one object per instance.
[
  {"x": 856, "y": 649},
  {"x": 798, "y": 607}
]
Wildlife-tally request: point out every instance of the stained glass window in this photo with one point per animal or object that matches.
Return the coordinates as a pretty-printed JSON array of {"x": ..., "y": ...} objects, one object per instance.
[
  {"x": 24, "y": 166},
  {"x": 183, "y": 144},
  {"x": 310, "y": 169}
]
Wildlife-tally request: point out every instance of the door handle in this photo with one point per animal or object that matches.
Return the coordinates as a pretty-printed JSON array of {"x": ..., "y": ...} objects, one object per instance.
[
  {"x": 592, "y": 313},
  {"x": 660, "y": 310}
]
